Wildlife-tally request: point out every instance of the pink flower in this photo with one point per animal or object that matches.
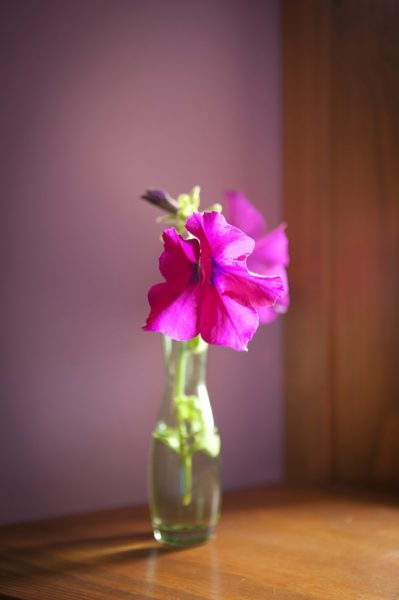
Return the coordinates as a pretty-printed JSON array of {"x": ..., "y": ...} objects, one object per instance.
[
  {"x": 208, "y": 289},
  {"x": 270, "y": 256}
]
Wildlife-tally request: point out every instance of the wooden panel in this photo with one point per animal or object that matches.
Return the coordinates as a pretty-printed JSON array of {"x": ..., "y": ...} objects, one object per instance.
[
  {"x": 277, "y": 542},
  {"x": 352, "y": 311},
  {"x": 306, "y": 143},
  {"x": 365, "y": 185}
]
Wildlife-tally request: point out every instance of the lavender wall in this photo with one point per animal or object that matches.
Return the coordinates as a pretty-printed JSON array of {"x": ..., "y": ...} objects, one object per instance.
[{"x": 99, "y": 101}]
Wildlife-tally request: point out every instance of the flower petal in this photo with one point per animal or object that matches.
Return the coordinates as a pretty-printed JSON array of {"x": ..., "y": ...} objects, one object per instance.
[
  {"x": 243, "y": 214},
  {"x": 271, "y": 249},
  {"x": 174, "y": 311},
  {"x": 268, "y": 314},
  {"x": 178, "y": 262},
  {"x": 257, "y": 290},
  {"x": 224, "y": 321},
  {"x": 219, "y": 241}
]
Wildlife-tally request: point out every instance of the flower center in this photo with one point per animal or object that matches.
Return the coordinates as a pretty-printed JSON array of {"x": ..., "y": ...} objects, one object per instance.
[{"x": 206, "y": 267}]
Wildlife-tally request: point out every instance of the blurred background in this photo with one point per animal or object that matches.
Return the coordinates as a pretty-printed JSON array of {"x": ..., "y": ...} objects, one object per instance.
[
  {"x": 341, "y": 198},
  {"x": 99, "y": 101},
  {"x": 293, "y": 102}
]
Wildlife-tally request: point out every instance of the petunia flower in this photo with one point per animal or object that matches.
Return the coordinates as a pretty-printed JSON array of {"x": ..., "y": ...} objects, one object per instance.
[
  {"x": 208, "y": 289},
  {"x": 270, "y": 256}
]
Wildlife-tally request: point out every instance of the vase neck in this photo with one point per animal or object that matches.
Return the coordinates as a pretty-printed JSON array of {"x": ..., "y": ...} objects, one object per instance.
[{"x": 185, "y": 363}]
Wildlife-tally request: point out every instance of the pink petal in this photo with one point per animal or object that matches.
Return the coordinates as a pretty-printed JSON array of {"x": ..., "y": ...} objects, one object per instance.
[
  {"x": 258, "y": 290},
  {"x": 269, "y": 314},
  {"x": 219, "y": 241},
  {"x": 174, "y": 311},
  {"x": 178, "y": 262},
  {"x": 224, "y": 321},
  {"x": 266, "y": 315},
  {"x": 271, "y": 249},
  {"x": 243, "y": 214}
]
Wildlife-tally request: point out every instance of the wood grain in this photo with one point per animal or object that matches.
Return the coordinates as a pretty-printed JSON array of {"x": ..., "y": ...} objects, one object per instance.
[
  {"x": 274, "y": 542},
  {"x": 365, "y": 268},
  {"x": 307, "y": 208},
  {"x": 341, "y": 161}
]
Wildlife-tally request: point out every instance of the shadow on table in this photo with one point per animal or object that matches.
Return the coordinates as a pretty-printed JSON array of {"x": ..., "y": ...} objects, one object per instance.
[{"x": 78, "y": 554}]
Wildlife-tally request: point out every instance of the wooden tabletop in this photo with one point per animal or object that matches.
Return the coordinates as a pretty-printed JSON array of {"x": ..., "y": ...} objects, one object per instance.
[{"x": 275, "y": 542}]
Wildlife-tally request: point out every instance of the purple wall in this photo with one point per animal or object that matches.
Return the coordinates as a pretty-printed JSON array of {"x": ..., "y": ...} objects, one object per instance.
[{"x": 99, "y": 101}]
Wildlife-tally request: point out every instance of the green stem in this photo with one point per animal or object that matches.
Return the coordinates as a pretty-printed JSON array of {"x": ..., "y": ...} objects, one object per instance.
[
  {"x": 179, "y": 394},
  {"x": 187, "y": 462}
]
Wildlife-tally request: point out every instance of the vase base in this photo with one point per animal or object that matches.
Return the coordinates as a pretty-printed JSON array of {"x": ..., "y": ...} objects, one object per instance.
[{"x": 183, "y": 536}]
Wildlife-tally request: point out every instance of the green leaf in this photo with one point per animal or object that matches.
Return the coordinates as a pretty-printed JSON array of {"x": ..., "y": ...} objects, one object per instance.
[
  {"x": 208, "y": 442},
  {"x": 168, "y": 436}
]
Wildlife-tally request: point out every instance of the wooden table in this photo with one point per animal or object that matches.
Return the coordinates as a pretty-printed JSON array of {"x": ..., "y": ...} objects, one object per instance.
[{"x": 275, "y": 542}]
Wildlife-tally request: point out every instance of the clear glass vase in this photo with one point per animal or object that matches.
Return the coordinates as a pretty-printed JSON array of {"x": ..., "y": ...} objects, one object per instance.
[{"x": 185, "y": 485}]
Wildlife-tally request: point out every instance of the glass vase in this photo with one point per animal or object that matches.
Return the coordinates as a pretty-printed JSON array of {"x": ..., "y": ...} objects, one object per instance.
[{"x": 185, "y": 485}]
